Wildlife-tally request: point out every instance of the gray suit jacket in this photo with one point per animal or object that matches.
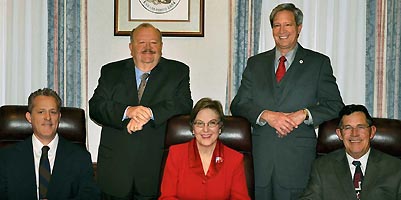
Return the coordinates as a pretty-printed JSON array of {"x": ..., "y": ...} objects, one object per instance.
[
  {"x": 123, "y": 156},
  {"x": 331, "y": 178},
  {"x": 309, "y": 83}
]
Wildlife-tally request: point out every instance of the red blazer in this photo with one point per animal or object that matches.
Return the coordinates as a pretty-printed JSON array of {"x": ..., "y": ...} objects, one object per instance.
[{"x": 184, "y": 178}]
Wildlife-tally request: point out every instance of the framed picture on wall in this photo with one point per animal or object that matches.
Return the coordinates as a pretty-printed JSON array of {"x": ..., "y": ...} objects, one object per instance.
[{"x": 176, "y": 18}]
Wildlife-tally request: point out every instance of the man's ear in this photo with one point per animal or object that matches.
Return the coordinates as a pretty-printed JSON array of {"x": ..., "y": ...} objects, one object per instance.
[
  {"x": 338, "y": 132},
  {"x": 28, "y": 117},
  {"x": 372, "y": 131}
]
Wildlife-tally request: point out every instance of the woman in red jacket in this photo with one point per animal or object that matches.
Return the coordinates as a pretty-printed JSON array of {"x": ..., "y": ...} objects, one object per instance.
[{"x": 204, "y": 168}]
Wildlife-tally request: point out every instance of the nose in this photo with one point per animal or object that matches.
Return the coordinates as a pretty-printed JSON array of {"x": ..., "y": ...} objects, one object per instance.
[
  {"x": 47, "y": 116},
  {"x": 354, "y": 132},
  {"x": 205, "y": 127}
]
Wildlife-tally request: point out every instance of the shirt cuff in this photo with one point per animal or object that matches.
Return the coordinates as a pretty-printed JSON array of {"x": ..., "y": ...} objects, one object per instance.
[
  {"x": 259, "y": 121},
  {"x": 309, "y": 121}
]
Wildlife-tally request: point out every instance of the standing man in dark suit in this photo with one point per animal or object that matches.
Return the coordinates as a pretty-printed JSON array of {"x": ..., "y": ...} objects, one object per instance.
[
  {"x": 71, "y": 172},
  {"x": 285, "y": 93},
  {"x": 335, "y": 176},
  {"x": 133, "y": 130}
]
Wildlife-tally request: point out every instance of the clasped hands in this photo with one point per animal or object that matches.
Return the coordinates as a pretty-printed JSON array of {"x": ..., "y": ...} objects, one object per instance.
[
  {"x": 139, "y": 116},
  {"x": 284, "y": 123}
]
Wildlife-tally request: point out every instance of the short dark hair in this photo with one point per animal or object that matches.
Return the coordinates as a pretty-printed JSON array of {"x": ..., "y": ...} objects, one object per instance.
[
  {"x": 207, "y": 103},
  {"x": 43, "y": 92},
  {"x": 289, "y": 7},
  {"x": 145, "y": 25},
  {"x": 349, "y": 109}
]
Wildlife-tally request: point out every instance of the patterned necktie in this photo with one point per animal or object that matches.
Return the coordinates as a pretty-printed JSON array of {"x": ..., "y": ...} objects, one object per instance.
[
  {"x": 281, "y": 69},
  {"x": 358, "y": 178},
  {"x": 44, "y": 173},
  {"x": 142, "y": 85}
]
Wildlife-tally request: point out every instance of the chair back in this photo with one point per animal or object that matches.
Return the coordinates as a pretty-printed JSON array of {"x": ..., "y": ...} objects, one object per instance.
[
  {"x": 15, "y": 128},
  {"x": 236, "y": 134},
  {"x": 387, "y": 138}
]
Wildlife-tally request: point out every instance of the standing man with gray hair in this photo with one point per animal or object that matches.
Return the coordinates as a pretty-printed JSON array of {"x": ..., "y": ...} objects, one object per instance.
[
  {"x": 285, "y": 93},
  {"x": 132, "y": 102}
]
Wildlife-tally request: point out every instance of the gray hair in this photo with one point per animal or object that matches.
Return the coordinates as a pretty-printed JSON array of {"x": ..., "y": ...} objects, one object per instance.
[{"x": 289, "y": 7}]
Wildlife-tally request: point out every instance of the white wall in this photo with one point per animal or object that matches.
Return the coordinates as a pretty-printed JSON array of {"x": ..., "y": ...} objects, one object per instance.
[{"x": 207, "y": 57}]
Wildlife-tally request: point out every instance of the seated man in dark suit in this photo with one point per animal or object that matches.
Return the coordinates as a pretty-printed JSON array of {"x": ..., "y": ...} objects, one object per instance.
[
  {"x": 358, "y": 171},
  {"x": 46, "y": 166}
]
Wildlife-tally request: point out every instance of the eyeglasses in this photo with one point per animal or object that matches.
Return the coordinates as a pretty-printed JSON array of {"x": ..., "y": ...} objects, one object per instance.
[
  {"x": 210, "y": 124},
  {"x": 359, "y": 128}
]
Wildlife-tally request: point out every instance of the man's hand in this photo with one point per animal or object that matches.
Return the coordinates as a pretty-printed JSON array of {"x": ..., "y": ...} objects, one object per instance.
[
  {"x": 298, "y": 117},
  {"x": 139, "y": 116},
  {"x": 282, "y": 122}
]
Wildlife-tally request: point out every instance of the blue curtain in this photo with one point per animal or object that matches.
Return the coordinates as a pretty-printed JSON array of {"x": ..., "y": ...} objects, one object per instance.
[
  {"x": 64, "y": 69},
  {"x": 383, "y": 58},
  {"x": 245, "y": 41}
]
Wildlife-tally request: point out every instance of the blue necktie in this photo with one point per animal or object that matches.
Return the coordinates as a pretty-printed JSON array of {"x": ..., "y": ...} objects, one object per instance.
[{"x": 44, "y": 173}]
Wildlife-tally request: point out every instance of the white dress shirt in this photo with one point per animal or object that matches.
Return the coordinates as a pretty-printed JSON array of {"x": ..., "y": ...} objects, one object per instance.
[{"x": 37, "y": 153}]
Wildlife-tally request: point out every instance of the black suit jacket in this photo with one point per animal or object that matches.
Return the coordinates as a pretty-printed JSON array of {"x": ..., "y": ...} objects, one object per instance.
[
  {"x": 331, "y": 178},
  {"x": 308, "y": 83},
  {"x": 72, "y": 174},
  {"x": 127, "y": 161}
]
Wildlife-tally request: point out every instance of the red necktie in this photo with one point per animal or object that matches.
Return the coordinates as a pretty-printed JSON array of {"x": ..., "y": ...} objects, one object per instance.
[
  {"x": 358, "y": 177},
  {"x": 281, "y": 69}
]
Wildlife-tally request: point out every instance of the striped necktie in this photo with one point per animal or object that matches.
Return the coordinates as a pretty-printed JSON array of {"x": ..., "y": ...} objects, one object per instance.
[{"x": 44, "y": 173}]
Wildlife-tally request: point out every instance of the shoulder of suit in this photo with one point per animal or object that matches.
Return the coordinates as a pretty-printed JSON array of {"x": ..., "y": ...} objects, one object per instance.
[
  {"x": 333, "y": 156},
  {"x": 68, "y": 145},
  {"x": 232, "y": 154},
  {"x": 312, "y": 53},
  {"x": 117, "y": 65},
  {"x": 378, "y": 156},
  {"x": 172, "y": 63}
]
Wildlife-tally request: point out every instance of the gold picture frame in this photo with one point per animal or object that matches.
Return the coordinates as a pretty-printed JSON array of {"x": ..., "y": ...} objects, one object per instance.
[{"x": 174, "y": 18}]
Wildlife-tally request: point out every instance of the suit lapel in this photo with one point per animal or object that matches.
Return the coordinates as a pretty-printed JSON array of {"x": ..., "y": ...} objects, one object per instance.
[
  {"x": 297, "y": 67},
  {"x": 25, "y": 158},
  {"x": 269, "y": 75},
  {"x": 371, "y": 174},
  {"x": 344, "y": 176},
  {"x": 157, "y": 77},
  {"x": 129, "y": 81},
  {"x": 60, "y": 171}
]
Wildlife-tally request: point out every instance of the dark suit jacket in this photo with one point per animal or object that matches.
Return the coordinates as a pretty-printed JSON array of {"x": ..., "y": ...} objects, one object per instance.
[
  {"x": 72, "y": 174},
  {"x": 308, "y": 83},
  {"x": 123, "y": 156},
  {"x": 331, "y": 178}
]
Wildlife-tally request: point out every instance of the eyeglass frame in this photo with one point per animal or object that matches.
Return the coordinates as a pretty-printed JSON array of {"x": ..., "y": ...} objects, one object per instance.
[
  {"x": 358, "y": 128},
  {"x": 209, "y": 125}
]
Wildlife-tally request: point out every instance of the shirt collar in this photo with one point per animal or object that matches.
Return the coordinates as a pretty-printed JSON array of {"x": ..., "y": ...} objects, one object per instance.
[
  {"x": 290, "y": 56},
  {"x": 37, "y": 145},
  {"x": 363, "y": 160}
]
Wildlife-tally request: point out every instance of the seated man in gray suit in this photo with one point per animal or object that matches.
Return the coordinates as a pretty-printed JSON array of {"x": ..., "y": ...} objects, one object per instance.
[
  {"x": 46, "y": 166},
  {"x": 358, "y": 171}
]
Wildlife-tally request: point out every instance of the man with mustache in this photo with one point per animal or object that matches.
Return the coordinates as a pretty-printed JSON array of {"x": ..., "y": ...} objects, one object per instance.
[
  {"x": 285, "y": 93},
  {"x": 132, "y": 102}
]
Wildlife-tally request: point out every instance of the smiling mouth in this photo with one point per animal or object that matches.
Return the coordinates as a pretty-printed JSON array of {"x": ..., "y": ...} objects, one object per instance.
[
  {"x": 283, "y": 37},
  {"x": 206, "y": 136},
  {"x": 355, "y": 141}
]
